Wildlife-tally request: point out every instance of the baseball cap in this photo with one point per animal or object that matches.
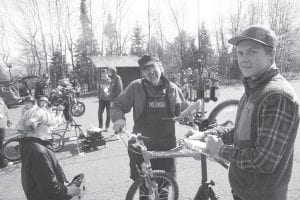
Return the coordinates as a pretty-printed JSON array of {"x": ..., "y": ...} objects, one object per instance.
[
  {"x": 258, "y": 34},
  {"x": 46, "y": 76},
  {"x": 148, "y": 59},
  {"x": 29, "y": 99}
]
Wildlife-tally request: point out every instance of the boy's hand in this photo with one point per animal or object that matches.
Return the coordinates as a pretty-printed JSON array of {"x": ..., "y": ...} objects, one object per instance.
[{"x": 73, "y": 190}]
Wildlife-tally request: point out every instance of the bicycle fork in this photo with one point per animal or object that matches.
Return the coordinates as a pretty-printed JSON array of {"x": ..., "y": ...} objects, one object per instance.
[{"x": 150, "y": 183}]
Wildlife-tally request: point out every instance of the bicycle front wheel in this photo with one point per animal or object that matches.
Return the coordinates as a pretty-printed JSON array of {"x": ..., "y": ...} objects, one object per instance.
[
  {"x": 224, "y": 112},
  {"x": 57, "y": 142},
  {"x": 11, "y": 150},
  {"x": 77, "y": 109},
  {"x": 167, "y": 188}
]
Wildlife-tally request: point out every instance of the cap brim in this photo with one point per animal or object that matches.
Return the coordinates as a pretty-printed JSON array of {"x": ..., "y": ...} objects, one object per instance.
[
  {"x": 235, "y": 40},
  {"x": 151, "y": 62}
]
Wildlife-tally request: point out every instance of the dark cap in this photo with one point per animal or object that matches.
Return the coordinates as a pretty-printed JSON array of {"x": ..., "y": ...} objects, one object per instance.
[
  {"x": 46, "y": 76},
  {"x": 148, "y": 59},
  {"x": 29, "y": 99},
  {"x": 256, "y": 33}
]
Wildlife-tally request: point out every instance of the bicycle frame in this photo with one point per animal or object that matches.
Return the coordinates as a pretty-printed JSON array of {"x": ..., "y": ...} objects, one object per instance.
[{"x": 78, "y": 131}]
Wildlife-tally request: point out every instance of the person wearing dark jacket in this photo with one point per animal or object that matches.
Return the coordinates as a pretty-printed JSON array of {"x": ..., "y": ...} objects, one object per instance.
[
  {"x": 42, "y": 88},
  {"x": 152, "y": 98},
  {"x": 116, "y": 83},
  {"x": 42, "y": 176}
]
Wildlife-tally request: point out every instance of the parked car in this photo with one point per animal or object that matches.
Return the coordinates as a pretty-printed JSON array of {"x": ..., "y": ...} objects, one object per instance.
[{"x": 15, "y": 90}]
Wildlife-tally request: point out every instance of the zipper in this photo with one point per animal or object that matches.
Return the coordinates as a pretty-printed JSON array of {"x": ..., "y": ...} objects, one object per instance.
[{"x": 252, "y": 182}]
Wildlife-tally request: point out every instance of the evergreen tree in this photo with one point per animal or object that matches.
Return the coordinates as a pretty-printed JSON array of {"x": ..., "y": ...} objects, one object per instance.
[
  {"x": 137, "y": 41},
  {"x": 110, "y": 31},
  {"x": 85, "y": 47},
  {"x": 56, "y": 67},
  {"x": 205, "y": 51}
]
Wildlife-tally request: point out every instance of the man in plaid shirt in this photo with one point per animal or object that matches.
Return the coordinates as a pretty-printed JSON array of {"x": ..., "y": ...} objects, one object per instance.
[{"x": 260, "y": 147}]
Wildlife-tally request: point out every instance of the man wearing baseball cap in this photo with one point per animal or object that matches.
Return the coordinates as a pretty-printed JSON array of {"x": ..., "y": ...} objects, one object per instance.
[
  {"x": 153, "y": 99},
  {"x": 261, "y": 154}
]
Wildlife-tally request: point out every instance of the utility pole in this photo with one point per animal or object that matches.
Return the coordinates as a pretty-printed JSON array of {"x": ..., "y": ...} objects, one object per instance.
[{"x": 149, "y": 26}]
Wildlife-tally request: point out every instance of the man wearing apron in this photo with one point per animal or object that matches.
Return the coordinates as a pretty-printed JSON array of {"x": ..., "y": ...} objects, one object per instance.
[{"x": 152, "y": 98}]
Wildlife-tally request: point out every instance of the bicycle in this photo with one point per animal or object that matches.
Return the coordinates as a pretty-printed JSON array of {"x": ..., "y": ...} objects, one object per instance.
[
  {"x": 67, "y": 97},
  {"x": 86, "y": 141},
  {"x": 11, "y": 148},
  {"x": 155, "y": 184}
]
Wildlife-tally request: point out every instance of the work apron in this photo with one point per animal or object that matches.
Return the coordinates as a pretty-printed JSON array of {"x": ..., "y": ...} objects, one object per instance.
[{"x": 161, "y": 133}]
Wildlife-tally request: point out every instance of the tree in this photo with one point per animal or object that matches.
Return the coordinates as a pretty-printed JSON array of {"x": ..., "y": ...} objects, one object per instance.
[
  {"x": 110, "y": 31},
  {"x": 137, "y": 41},
  {"x": 205, "y": 51},
  {"x": 57, "y": 70},
  {"x": 281, "y": 17},
  {"x": 86, "y": 46}
]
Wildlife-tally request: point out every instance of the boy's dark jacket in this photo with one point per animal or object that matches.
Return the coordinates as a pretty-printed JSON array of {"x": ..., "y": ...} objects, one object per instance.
[{"x": 42, "y": 176}]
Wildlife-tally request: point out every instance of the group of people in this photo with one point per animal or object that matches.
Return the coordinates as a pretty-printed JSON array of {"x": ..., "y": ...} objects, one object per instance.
[
  {"x": 41, "y": 175},
  {"x": 259, "y": 147}
]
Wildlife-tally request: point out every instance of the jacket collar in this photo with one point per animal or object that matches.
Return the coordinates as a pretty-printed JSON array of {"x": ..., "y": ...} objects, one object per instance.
[
  {"x": 165, "y": 83},
  {"x": 262, "y": 79},
  {"x": 46, "y": 143}
]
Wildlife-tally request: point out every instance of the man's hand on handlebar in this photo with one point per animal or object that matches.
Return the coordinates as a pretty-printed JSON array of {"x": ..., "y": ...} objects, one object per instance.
[
  {"x": 195, "y": 135},
  {"x": 119, "y": 125}
]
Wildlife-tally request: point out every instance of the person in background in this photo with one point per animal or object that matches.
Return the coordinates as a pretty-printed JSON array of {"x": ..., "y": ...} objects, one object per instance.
[
  {"x": 260, "y": 146},
  {"x": 29, "y": 103},
  {"x": 182, "y": 77},
  {"x": 41, "y": 174},
  {"x": 76, "y": 87},
  {"x": 42, "y": 88},
  {"x": 153, "y": 99},
  {"x": 4, "y": 122},
  {"x": 116, "y": 83},
  {"x": 105, "y": 97},
  {"x": 43, "y": 102}
]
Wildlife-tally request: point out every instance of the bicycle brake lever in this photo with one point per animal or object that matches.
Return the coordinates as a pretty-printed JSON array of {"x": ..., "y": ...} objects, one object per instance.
[{"x": 140, "y": 137}]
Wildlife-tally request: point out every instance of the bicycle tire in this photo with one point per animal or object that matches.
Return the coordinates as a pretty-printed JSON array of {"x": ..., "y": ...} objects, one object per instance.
[
  {"x": 159, "y": 175},
  {"x": 11, "y": 150},
  {"x": 215, "y": 114},
  {"x": 57, "y": 142},
  {"x": 75, "y": 111}
]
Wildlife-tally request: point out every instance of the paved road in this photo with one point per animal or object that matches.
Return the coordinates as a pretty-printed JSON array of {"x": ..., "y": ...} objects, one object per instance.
[{"x": 107, "y": 169}]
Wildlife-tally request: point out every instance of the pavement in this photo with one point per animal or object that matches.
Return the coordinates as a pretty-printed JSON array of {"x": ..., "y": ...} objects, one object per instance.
[{"x": 107, "y": 171}]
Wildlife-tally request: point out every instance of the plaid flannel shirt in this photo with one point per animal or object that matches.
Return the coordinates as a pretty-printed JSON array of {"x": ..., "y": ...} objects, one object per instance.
[{"x": 276, "y": 120}]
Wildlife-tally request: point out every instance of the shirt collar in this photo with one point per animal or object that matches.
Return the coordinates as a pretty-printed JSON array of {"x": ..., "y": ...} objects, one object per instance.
[{"x": 266, "y": 76}]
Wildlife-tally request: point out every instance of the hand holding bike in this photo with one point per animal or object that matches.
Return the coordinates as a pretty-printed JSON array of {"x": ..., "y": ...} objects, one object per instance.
[{"x": 77, "y": 187}]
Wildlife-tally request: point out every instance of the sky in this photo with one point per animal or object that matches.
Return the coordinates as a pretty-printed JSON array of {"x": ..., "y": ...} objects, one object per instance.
[{"x": 210, "y": 12}]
